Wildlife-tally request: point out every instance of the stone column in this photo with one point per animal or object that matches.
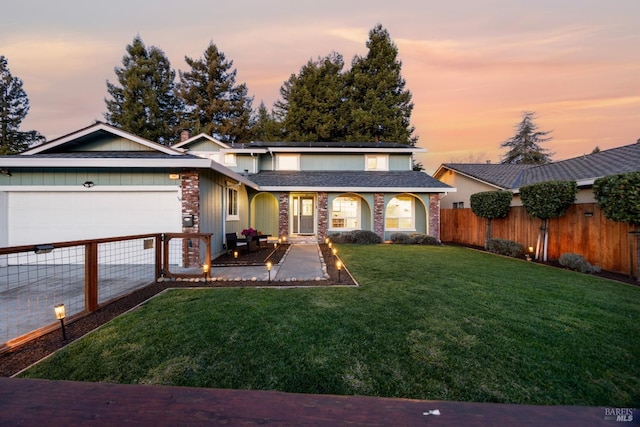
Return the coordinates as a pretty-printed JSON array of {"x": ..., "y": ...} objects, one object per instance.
[
  {"x": 191, "y": 206},
  {"x": 323, "y": 216},
  {"x": 283, "y": 215},
  {"x": 378, "y": 214},
  {"x": 434, "y": 216}
]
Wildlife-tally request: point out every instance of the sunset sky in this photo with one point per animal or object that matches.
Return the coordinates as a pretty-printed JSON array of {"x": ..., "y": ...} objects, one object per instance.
[{"x": 473, "y": 66}]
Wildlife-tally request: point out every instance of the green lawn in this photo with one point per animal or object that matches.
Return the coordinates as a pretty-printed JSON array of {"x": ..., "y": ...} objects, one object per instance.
[{"x": 444, "y": 323}]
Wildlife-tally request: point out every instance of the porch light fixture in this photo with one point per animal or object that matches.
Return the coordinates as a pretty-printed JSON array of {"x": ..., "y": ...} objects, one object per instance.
[
  {"x": 42, "y": 249},
  {"x": 339, "y": 267},
  {"x": 588, "y": 214},
  {"x": 174, "y": 176},
  {"x": 60, "y": 315},
  {"x": 88, "y": 184},
  {"x": 269, "y": 265}
]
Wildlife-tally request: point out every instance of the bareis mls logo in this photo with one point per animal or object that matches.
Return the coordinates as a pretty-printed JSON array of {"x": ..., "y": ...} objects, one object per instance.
[{"x": 619, "y": 414}]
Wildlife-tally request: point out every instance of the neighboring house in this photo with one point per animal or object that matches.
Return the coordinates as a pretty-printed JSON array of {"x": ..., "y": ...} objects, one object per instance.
[
  {"x": 473, "y": 178},
  {"x": 101, "y": 181}
]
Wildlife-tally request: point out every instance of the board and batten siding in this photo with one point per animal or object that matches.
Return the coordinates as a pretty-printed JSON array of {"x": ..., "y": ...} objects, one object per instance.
[{"x": 99, "y": 176}]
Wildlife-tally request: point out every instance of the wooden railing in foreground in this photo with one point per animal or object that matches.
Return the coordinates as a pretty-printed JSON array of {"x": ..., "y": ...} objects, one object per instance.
[{"x": 87, "y": 274}]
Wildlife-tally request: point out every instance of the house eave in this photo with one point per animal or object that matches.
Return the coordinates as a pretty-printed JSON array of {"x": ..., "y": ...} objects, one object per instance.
[
  {"x": 345, "y": 150},
  {"x": 274, "y": 188},
  {"x": 62, "y": 162}
]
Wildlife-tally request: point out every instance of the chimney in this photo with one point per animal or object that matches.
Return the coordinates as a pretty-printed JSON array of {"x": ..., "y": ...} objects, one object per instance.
[{"x": 184, "y": 135}]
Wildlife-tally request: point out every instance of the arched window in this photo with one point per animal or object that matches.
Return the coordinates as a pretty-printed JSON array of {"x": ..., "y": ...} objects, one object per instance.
[
  {"x": 345, "y": 212},
  {"x": 399, "y": 214}
]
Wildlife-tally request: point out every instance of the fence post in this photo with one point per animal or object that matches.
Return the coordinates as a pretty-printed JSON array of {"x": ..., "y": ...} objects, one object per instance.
[
  {"x": 159, "y": 263},
  {"x": 91, "y": 277}
]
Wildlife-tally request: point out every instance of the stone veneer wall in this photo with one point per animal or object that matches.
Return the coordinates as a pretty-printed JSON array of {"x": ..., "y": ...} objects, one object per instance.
[
  {"x": 434, "y": 215},
  {"x": 323, "y": 216},
  {"x": 378, "y": 214},
  {"x": 283, "y": 215},
  {"x": 191, "y": 206}
]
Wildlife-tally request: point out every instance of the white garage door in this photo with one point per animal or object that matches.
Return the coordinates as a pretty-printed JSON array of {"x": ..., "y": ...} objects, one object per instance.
[{"x": 42, "y": 217}]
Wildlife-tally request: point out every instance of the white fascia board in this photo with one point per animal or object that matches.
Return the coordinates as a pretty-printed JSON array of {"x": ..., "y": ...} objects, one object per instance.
[
  {"x": 97, "y": 188},
  {"x": 362, "y": 189},
  {"x": 62, "y": 162},
  {"x": 345, "y": 150},
  {"x": 199, "y": 136},
  {"x": 244, "y": 150},
  {"x": 233, "y": 175},
  {"x": 102, "y": 127},
  {"x": 581, "y": 183}
]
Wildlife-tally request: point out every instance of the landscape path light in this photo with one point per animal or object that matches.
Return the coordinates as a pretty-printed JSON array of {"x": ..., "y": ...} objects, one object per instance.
[
  {"x": 235, "y": 254},
  {"x": 339, "y": 267},
  {"x": 60, "y": 315},
  {"x": 205, "y": 269},
  {"x": 269, "y": 265}
]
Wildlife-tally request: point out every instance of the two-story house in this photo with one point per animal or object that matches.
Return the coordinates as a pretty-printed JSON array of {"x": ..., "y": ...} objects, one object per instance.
[{"x": 101, "y": 181}]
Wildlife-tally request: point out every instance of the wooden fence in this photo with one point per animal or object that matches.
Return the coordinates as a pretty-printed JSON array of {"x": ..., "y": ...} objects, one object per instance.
[{"x": 583, "y": 230}]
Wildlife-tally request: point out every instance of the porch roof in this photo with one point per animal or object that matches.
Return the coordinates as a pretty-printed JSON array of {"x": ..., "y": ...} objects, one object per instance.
[{"x": 357, "y": 181}]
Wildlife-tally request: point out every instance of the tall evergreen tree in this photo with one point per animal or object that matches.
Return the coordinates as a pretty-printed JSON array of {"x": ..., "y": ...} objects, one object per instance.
[
  {"x": 145, "y": 103},
  {"x": 379, "y": 105},
  {"x": 215, "y": 104},
  {"x": 524, "y": 147},
  {"x": 14, "y": 106},
  {"x": 311, "y": 108},
  {"x": 264, "y": 126}
]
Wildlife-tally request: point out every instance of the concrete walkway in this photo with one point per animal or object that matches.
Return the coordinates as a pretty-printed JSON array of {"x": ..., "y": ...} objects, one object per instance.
[{"x": 301, "y": 262}]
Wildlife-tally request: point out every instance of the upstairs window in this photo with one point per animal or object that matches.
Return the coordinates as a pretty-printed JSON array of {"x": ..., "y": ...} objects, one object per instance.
[
  {"x": 376, "y": 162},
  {"x": 230, "y": 159},
  {"x": 288, "y": 162}
]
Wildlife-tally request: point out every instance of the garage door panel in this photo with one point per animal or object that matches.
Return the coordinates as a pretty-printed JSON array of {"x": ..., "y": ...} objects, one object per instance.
[{"x": 38, "y": 217}]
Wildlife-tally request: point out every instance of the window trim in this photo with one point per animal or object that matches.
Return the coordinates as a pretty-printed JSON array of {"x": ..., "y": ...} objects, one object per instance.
[
  {"x": 289, "y": 156},
  {"x": 357, "y": 214},
  {"x": 412, "y": 199},
  {"x": 379, "y": 158},
  {"x": 233, "y": 208}
]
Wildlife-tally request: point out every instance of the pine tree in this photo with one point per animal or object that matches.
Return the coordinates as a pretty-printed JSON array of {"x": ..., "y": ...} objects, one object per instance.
[
  {"x": 145, "y": 103},
  {"x": 524, "y": 146},
  {"x": 14, "y": 107},
  {"x": 379, "y": 105},
  {"x": 312, "y": 101},
  {"x": 215, "y": 105},
  {"x": 264, "y": 126}
]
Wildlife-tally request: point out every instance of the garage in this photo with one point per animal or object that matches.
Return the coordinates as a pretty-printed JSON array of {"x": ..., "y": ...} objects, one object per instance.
[{"x": 55, "y": 215}]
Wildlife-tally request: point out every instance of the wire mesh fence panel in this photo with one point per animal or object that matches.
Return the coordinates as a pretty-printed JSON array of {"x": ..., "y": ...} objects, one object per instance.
[
  {"x": 32, "y": 284},
  {"x": 124, "y": 266}
]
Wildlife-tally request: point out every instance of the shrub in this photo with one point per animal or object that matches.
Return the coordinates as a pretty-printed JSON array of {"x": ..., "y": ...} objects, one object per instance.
[
  {"x": 578, "y": 263},
  {"x": 505, "y": 247},
  {"x": 360, "y": 237},
  {"x": 400, "y": 238},
  {"x": 422, "y": 239}
]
